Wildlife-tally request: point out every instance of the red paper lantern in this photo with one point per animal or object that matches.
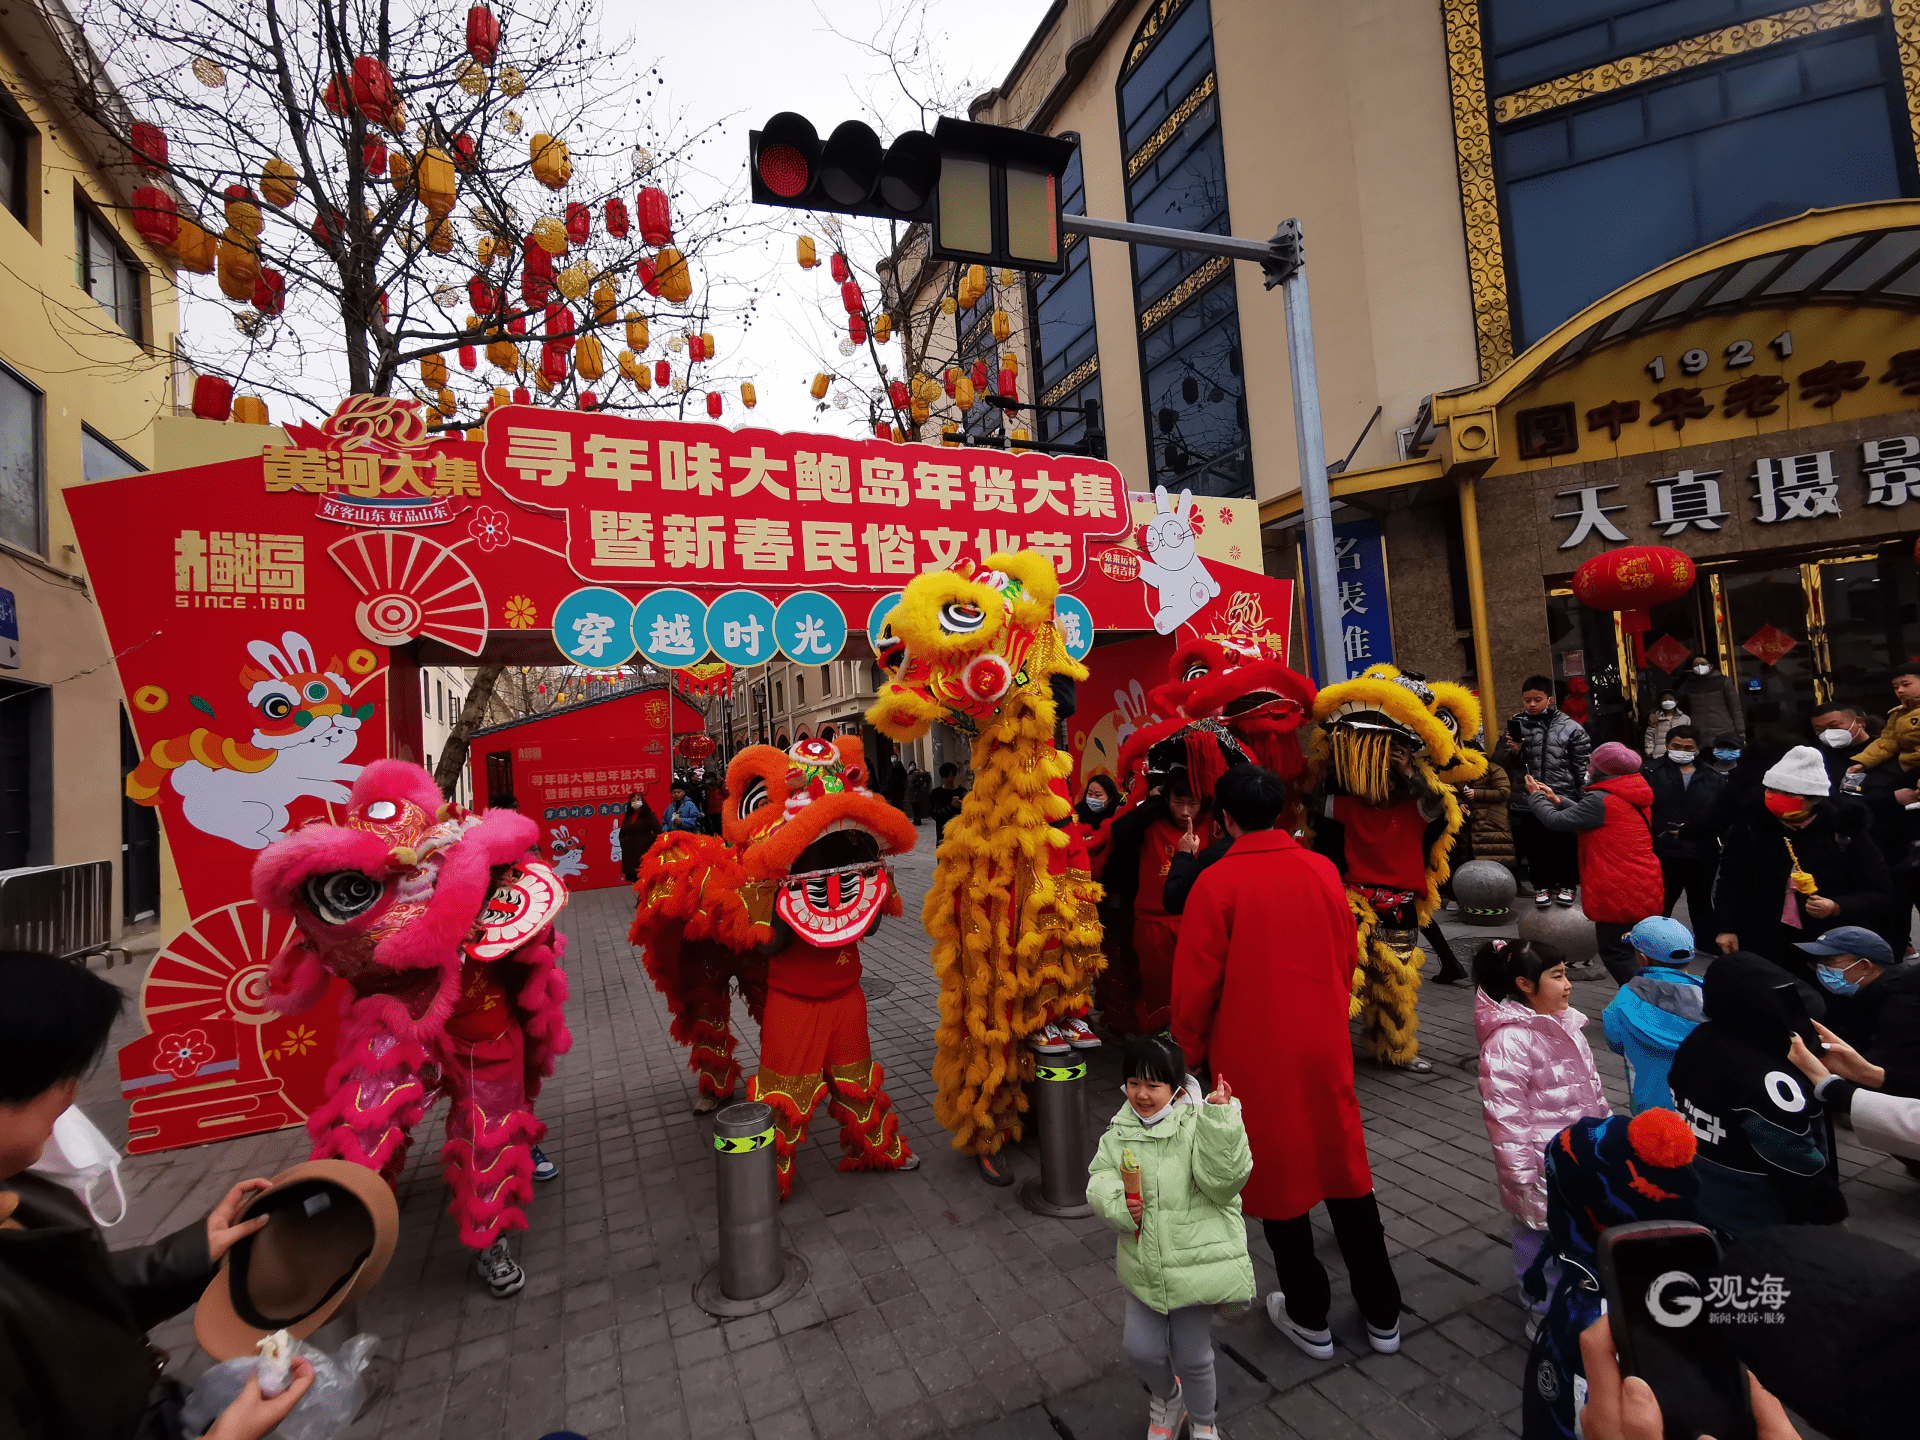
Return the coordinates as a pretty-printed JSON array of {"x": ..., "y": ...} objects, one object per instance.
[
  {"x": 483, "y": 35},
  {"x": 579, "y": 222},
  {"x": 857, "y": 329},
  {"x": 155, "y": 216},
  {"x": 463, "y": 152},
  {"x": 589, "y": 401},
  {"x": 517, "y": 325},
  {"x": 559, "y": 320},
  {"x": 882, "y": 431},
  {"x": 149, "y": 143},
  {"x": 373, "y": 155},
  {"x": 270, "y": 292},
  {"x": 713, "y": 404},
  {"x": 374, "y": 92},
  {"x": 1008, "y": 387},
  {"x": 649, "y": 282},
  {"x": 555, "y": 361},
  {"x": 334, "y": 97},
  {"x": 212, "y": 397},
  {"x": 1633, "y": 580},
  {"x": 617, "y": 219},
  {"x": 850, "y": 297},
  {"x": 656, "y": 218},
  {"x": 329, "y": 227},
  {"x": 897, "y": 395},
  {"x": 524, "y": 396},
  {"x": 951, "y": 381},
  {"x": 979, "y": 377},
  {"x": 469, "y": 357},
  {"x": 838, "y": 266},
  {"x": 484, "y": 298},
  {"x": 662, "y": 373}
]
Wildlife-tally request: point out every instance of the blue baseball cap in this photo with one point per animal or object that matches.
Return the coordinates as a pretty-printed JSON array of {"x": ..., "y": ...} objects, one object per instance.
[
  {"x": 1661, "y": 940},
  {"x": 1850, "y": 940}
]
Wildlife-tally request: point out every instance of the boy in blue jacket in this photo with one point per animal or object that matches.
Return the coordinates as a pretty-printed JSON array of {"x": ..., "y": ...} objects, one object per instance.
[{"x": 1655, "y": 1010}]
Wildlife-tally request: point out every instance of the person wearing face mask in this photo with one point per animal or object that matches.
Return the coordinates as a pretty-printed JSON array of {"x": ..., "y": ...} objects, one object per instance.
[
  {"x": 1666, "y": 715},
  {"x": 1876, "y": 1004},
  {"x": 1798, "y": 862},
  {"x": 1684, "y": 792},
  {"x": 1839, "y": 731},
  {"x": 1710, "y": 699},
  {"x": 1724, "y": 750}
]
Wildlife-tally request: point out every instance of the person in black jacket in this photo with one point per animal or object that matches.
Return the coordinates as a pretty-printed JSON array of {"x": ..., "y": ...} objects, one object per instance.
[
  {"x": 943, "y": 801},
  {"x": 1684, "y": 791},
  {"x": 1553, "y": 748},
  {"x": 1876, "y": 1002},
  {"x": 75, "y": 1363},
  {"x": 1795, "y": 828}
]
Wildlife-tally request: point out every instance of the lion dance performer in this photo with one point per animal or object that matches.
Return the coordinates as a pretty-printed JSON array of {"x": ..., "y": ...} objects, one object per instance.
[
  {"x": 442, "y": 922},
  {"x": 1388, "y": 747},
  {"x": 782, "y": 901},
  {"x": 1011, "y": 912}
]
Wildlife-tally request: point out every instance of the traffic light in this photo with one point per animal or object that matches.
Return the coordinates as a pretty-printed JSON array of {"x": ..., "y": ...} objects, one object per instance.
[{"x": 991, "y": 194}]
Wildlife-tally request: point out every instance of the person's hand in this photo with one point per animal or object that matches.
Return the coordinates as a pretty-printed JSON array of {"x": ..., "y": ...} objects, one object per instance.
[
  {"x": 1848, "y": 1063},
  {"x": 252, "y": 1415},
  {"x": 1513, "y": 746},
  {"x": 1907, "y": 797},
  {"x": 1624, "y": 1407},
  {"x": 1134, "y": 1206},
  {"x": 1805, "y": 1061},
  {"x": 222, "y": 1230},
  {"x": 1534, "y": 787},
  {"x": 1188, "y": 844},
  {"x": 1856, "y": 769},
  {"x": 1222, "y": 1093},
  {"x": 1728, "y": 942},
  {"x": 1819, "y": 906}
]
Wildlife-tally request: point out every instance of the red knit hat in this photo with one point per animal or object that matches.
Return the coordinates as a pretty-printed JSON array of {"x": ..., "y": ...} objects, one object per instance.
[{"x": 1613, "y": 758}]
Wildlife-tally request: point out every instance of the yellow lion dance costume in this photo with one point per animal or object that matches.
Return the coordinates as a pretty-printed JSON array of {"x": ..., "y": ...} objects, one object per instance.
[
  {"x": 1016, "y": 940},
  {"x": 1387, "y": 748}
]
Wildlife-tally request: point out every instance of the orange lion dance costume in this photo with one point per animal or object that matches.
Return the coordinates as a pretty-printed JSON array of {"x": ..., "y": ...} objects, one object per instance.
[
  {"x": 780, "y": 904},
  {"x": 1016, "y": 940}
]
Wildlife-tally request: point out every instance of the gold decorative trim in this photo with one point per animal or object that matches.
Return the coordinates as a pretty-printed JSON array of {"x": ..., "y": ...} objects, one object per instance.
[
  {"x": 1149, "y": 32},
  {"x": 1479, "y": 198},
  {"x": 1199, "y": 280},
  {"x": 1157, "y": 141},
  {"x": 1685, "y": 54},
  {"x": 1906, "y": 31},
  {"x": 1073, "y": 381}
]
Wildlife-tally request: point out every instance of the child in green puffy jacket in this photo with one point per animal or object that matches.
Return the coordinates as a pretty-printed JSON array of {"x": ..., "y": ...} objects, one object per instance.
[{"x": 1168, "y": 1177}]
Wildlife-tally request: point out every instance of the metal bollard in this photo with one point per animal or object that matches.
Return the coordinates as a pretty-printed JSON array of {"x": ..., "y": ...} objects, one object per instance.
[
  {"x": 1060, "y": 1115},
  {"x": 754, "y": 1273}
]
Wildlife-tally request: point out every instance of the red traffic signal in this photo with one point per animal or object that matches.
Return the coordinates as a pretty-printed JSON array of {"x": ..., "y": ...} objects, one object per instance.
[{"x": 850, "y": 174}]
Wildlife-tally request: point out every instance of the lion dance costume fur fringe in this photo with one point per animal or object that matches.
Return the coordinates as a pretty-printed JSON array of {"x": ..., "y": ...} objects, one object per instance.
[
  {"x": 778, "y": 905},
  {"x": 442, "y": 922},
  {"x": 1011, "y": 912},
  {"x": 1387, "y": 748}
]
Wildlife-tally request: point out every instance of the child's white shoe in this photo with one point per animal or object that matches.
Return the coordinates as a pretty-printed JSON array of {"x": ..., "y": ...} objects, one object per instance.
[
  {"x": 1166, "y": 1417},
  {"x": 1205, "y": 1432},
  {"x": 1317, "y": 1343}
]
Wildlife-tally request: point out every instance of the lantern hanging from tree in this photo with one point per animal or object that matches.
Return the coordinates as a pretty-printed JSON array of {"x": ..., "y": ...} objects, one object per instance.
[
  {"x": 238, "y": 266},
  {"x": 656, "y": 217},
  {"x": 605, "y": 302},
  {"x": 963, "y": 395},
  {"x": 196, "y": 246},
  {"x": 588, "y": 400},
  {"x": 1009, "y": 386},
  {"x": 837, "y": 267},
  {"x": 399, "y": 167},
  {"x": 270, "y": 292},
  {"x": 808, "y": 259},
  {"x": 1634, "y": 580},
  {"x": 483, "y": 251},
  {"x": 503, "y": 354},
  {"x": 278, "y": 183},
  {"x": 637, "y": 335},
  {"x": 980, "y": 375},
  {"x": 555, "y": 357},
  {"x": 520, "y": 395},
  {"x": 483, "y": 35},
  {"x": 212, "y": 397},
  {"x": 882, "y": 329},
  {"x": 707, "y": 352},
  {"x": 373, "y": 155},
  {"x": 550, "y": 234},
  {"x": 662, "y": 373},
  {"x": 375, "y": 95},
  {"x": 856, "y": 330},
  {"x": 819, "y": 387},
  {"x": 850, "y": 297},
  {"x": 433, "y": 371},
  {"x": 469, "y": 357},
  {"x": 574, "y": 280},
  {"x": 149, "y": 144},
  {"x": 897, "y": 394},
  {"x": 435, "y": 181},
  {"x": 463, "y": 152},
  {"x": 616, "y": 214},
  {"x": 250, "y": 410},
  {"x": 242, "y": 214},
  {"x": 643, "y": 271},
  {"x": 156, "y": 217},
  {"x": 588, "y": 362},
  {"x": 713, "y": 405},
  {"x": 441, "y": 233},
  {"x": 579, "y": 223},
  {"x": 880, "y": 430},
  {"x": 747, "y": 396},
  {"x": 552, "y": 164},
  {"x": 670, "y": 271},
  {"x": 1002, "y": 325}
]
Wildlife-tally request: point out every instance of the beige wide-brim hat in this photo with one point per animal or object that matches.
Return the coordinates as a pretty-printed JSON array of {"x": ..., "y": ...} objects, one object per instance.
[{"x": 331, "y": 1233}]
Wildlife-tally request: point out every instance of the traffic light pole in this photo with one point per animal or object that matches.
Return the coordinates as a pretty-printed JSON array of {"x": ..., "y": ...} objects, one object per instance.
[{"x": 1281, "y": 260}]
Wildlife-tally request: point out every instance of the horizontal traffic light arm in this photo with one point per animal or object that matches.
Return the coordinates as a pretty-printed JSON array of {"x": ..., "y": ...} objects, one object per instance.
[{"x": 1279, "y": 257}]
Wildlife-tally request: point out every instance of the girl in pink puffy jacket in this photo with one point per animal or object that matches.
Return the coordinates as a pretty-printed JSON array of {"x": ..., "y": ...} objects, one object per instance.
[{"x": 1536, "y": 1078}]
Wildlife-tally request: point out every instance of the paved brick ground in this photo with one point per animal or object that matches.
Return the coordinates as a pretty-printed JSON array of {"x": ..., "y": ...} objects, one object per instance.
[{"x": 937, "y": 1305}]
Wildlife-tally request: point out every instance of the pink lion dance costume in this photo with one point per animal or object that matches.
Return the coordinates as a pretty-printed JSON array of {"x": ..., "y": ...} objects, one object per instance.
[{"x": 442, "y": 922}]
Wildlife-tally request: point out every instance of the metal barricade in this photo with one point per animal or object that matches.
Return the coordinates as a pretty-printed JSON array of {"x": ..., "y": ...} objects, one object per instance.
[
  {"x": 64, "y": 910},
  {"x": 755, "y": 1272}
]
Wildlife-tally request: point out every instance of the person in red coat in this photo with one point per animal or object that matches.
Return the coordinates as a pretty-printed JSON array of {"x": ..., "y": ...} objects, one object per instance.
[
  {"x": 1261, "y": 984},
  {"x": 1620, "y": 879}
]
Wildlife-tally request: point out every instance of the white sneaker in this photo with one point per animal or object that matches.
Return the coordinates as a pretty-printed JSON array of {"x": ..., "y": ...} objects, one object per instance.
[
  {"x": 1205, "y": 1432},
  {"x": 1050, "y": 1041},
  {"x": 497, "y": 1268},
  {"x": 1384, "y": 1342},
  {"x": 1532, "y": 1328},
  {"x": 1317, "y": 1343},
  {"x": 1165, "y": 1417}
]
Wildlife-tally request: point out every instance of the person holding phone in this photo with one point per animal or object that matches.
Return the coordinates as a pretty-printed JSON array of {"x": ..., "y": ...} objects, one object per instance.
[
  {"x": 1876, "y": 1001},
  {"x": 1553, "y": 751}
]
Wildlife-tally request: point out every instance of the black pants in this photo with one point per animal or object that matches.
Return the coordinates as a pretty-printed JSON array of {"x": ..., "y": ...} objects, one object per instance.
[
  {"x": 1695, "y": 879},
  {"x": 1615, "y": 953},
  {"x": 1552, "y": 856},
  {"x": 1442, "y": 951},
  {"x": 1363, "y": 1245}
]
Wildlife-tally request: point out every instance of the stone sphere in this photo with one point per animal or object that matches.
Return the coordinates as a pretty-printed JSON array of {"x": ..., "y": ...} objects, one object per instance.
[
  {"x": 1484, "y": 891},
  {"x": 1566, "y": 928}
]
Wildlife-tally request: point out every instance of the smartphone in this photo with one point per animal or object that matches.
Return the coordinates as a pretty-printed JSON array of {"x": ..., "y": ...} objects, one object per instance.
[
  {"x": 1795, "y": 1009},
  {"x": 1656, "y": 1275}
]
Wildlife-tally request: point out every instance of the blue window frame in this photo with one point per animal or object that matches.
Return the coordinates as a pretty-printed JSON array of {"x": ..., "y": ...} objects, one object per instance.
[
  {"x": 1595, "y": 194},
  {"x": 1192, "y": 377},
  {"x": 1533, "y": 40}
]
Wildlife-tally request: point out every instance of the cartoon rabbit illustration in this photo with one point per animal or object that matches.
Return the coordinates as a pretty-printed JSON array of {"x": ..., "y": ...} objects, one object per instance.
[
  {"x": 569, "y": 854},
  {"x": 306, "y": 728},
  {"x": 1175, "y": 569}
]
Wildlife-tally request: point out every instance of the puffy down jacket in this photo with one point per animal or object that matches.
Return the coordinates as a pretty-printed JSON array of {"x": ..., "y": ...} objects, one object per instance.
[
  {"x": 1619, "y": 878},
  {"x": 1554, "y": 749},
  {"x": 1536, "y": 1078}
]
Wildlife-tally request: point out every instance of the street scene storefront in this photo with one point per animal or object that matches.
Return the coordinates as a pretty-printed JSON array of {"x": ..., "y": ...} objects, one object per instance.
[{"x": 1751, "y": 405}]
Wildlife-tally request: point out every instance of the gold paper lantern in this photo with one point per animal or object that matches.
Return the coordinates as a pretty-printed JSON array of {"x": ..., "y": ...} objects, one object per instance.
[
  {"x": 239, "y": 266},
  {"x": 541, "y": 383},
  {"x": 278, "y": 182},
  {"x": 637, "y": 330},
  {"x": 588, "y": 361},
  {"x": 882, "y": 329},
  {"x": 471, "y": 78},
  {"x": 550, "y": 234},
  {"x": 948, "y": 305},
  {"x": 949, "y": 435},
  {"x": 1006, "y": 278},
  {"x": 808, "y": 259},
  {"x": 670, "y": 273},
  {"x": 250, "y": 410},
  {"x": 819, "y": 387},
  {"x": 706, "y": 346},
  {"x": 574, "y": 281},
  {"x": 1019, "y": 434},
  {"x": 552, "y": 164},
  {"x": 441, "y": 235},
  {"x": 605, "y": 302},
  {"x": 196, "y": 246},
  {"x": 209, "y": 74},
  {"x": 483, "y": 251},
  {"x": 1010, "y": 361},
  {"x": 747, "y": 396},
  {"x": 963, "y": 392},
  {"x": 433, "y": 371},
  {"x": 244, "y": 216},
  {"x": 436, "y": 181},
  {"x": 399, "y": 168},
  {"x": 514, "y": 123},
  {"x": 1002, "y": 325},
  {"x": 919, "y": 410},
  {"x": 443, "y": 404},
  {"x": 503, "y": 353},
  {"x": 631, "y": 367},
  {"x": 512, "y": 83}
]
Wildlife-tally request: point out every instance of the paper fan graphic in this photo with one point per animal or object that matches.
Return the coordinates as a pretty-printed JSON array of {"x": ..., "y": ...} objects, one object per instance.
[
  {"x": 216, "y": 968},
  {"x": 412, "y": 586}
]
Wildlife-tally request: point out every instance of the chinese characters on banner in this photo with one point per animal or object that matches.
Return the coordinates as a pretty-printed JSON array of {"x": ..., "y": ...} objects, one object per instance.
[
  {"x": 650, "y": 502},
  {"x": 1791, "y": 487},
  {"x": 1366, "y": 626}
]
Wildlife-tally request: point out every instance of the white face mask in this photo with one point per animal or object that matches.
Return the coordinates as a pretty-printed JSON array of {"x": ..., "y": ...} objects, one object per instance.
[
  {"x": 79, "y": 1157},
  {"x": 1837, "y": 738},
  {"x": 1096, "y": 802},
  {"x": 1683, "y": 757},
  {"x": 1669, "y": 704},
  {"x": 1703, "y": 669}
]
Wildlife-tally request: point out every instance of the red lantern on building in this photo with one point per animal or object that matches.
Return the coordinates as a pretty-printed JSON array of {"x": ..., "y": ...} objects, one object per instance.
[
  {"x": 656, "y": 218},
  {"x": 713, "y": 404},
  {"x": 483, "y": 35},
  {"x": 212, "y": 397},
  {"x": 1008, "y": 385},
  {"x": 662, "y": 373},
  {"x": 1633, "y": 580},
  {"x": 579, "y": 223},
  {"x": 617, "y": 219},
  {"x": 149, "y": 145},
  {"x": 155, "y": 216}
]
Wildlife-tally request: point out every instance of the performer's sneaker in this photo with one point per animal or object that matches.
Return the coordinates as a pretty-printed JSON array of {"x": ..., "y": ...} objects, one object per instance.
[
  {"x": 707, "y": 1104},
  {"x": 1079, "y": 1034},
  {"x": 543, "y": 1168},
  {"x": 1317, "y": 1343},
  {"x": 498, "y": 1269},
  {"x": 1050, "y": 1041},
  {"x": 1165, "y": 1417},
  {"x": 1205, "y": 1432},
  {"x": 1386, "y": 1341},
  {"x": 1563, "y": 896},
  {"x": 1543, "y": 898},
  {"x": 993, "y": 1170}
]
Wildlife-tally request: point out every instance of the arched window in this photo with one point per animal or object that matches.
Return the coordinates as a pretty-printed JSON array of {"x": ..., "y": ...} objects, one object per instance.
[
  {"x": 1066, "y": 360},
  {"x": 1188, "y": 315}
]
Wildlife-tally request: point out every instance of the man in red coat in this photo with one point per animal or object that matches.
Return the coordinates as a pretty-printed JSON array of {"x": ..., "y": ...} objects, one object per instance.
[
  {"x": 1620, "y": 879},
  {"x": 1261, "y": 984}
]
